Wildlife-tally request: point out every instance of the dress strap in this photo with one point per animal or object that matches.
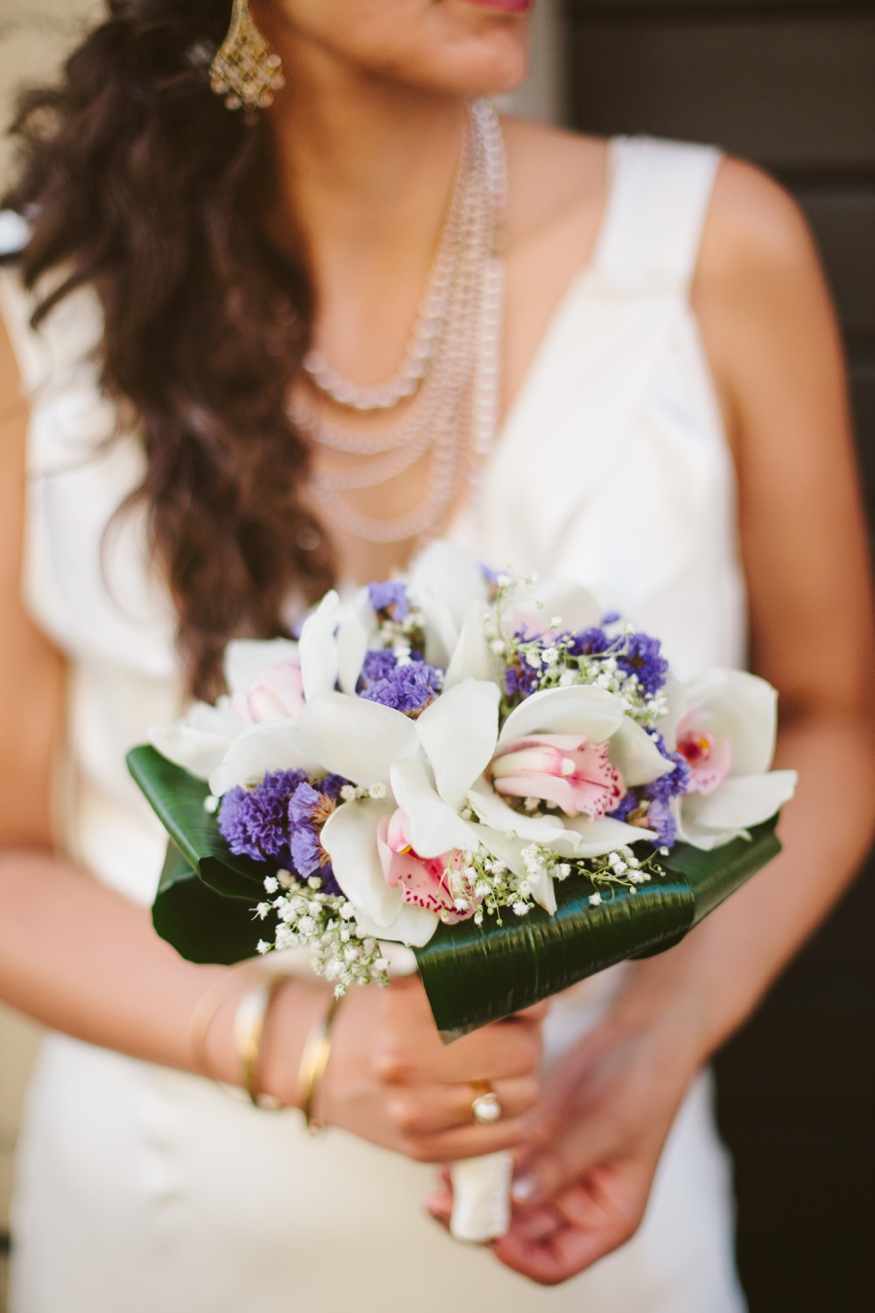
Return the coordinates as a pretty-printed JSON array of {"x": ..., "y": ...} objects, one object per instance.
[{"x": 657, "y": 203}]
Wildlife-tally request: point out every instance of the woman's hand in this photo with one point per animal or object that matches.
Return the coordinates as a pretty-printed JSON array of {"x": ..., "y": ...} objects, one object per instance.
[
  {"x": 585, "y": 1171},
  {"x": 593, "y": 1141},
  {"x": 391, "y": 1080}
]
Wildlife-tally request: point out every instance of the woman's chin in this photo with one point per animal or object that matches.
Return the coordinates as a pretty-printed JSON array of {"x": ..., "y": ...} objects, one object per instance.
[{"x": 487, "y": 65}]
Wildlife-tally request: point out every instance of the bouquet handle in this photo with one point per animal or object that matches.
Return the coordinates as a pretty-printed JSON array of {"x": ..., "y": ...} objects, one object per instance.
[
  {"x": 481, "y": 1197},
  {"x": 481, "y": 1186}
]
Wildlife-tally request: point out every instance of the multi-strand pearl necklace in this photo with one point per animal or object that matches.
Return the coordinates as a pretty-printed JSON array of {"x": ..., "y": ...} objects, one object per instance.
[{"x": 451, "y": 367}]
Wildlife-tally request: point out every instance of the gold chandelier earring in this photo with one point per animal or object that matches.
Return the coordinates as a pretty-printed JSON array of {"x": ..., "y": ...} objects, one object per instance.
[{"x": 245, "y": 70}]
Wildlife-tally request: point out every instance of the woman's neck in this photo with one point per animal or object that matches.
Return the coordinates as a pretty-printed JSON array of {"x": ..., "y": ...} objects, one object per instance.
[{"x": 366, "y": 170}]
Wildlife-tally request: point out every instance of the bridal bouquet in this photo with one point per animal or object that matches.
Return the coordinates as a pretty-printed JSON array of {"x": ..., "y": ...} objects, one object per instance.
[{"x": 480, "y": 767}]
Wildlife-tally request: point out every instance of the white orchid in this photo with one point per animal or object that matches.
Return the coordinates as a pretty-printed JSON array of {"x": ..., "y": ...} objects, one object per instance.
[
  {"x": 252, "y": 731},
  {"x": 726, "y": 732},
  {"x": 427, "y": 772},
  {"x": 260, "y": 680},
  {"x": 576, "y": 737},
  {"x": 422, "y": 768}
]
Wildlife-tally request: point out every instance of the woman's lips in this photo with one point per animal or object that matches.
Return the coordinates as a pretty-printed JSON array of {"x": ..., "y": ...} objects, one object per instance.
[{"x": 506, "y": 6}]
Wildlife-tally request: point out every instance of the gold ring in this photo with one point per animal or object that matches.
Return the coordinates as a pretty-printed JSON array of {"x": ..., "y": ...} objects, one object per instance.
[{"x": 486, "y": 1108}]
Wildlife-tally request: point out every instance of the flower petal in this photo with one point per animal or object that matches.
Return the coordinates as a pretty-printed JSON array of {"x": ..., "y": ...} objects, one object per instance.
[
  {"x": 195, "y": 750},
  {"x": 740, "y": 801},
  {"x": 277, "y": 693},
  {"x": 595, "y": 838},
  {"x": 494, "y": 811},
  {"x": 349, "y": 836},
  {"x": 743, "y": 706},
  {"x": 678, "y": 707},
  {"x": 413, "y": 926},
  {"x": 356, "y": 738},
  {"x": 221, "y": 719},
  {"x": 434, "y": 828},
  {"x": 272, "y": 745},
  {"x": 352, "y": 645},
  {"x": 636, "y": 756},
  {"x": 245, "y": 659},
  {"x": 445, "y": 571},
  {"x": 551, "y": 788},
  {"x": 458, "y": 733},
  {"x": 510, "y": 851},
  {"x": 583, "y": 709},
  {"x": 318, "y": 647},
  {"x": 472, "y": 657},
  {"x": 537, "y": 605}
]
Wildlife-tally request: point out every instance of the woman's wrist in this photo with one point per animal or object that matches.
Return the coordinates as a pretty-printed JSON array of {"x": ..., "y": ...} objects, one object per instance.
[
  {"x": 672, "y": 999},
  {"x": 295, "y": 1007},
  {"x": 298, "y": 1007}
]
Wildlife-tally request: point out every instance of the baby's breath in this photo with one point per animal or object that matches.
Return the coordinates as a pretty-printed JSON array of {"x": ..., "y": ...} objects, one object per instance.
[
  {"x": 402, "y": 637},
  {"x": 553, "y": 664},
  {"x": 620, "y": 870},
  {"x": 325, "y": 923}
]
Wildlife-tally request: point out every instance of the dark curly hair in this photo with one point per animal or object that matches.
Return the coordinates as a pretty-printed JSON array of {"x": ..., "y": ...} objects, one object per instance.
[{"x": 139, "y": 182}]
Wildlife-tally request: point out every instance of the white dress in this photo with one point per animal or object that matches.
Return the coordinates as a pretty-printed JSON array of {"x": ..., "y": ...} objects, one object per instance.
[{"x": 142, "y": 1189}]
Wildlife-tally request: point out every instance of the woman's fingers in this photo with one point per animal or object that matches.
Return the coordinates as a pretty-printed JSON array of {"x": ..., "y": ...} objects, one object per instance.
[
  {"x": 553, "y": 1242},
  {"x": 566, "y": 1158},
  {"x": 434, "y": 1109},
  {"x": 391, "y": 1079},
  {"x": 464, "y": 1141},
  {"x": 496, "y": 1053}
]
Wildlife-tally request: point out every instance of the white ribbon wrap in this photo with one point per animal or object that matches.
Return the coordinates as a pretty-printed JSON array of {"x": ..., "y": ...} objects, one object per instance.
[
  {"x": 481, "y": 1197},
  {"x": 481, "y": 1186}
]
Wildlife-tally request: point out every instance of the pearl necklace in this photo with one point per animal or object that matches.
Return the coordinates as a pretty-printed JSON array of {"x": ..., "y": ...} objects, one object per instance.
[
  {"x": 456, "y": 384},
  {"x": 427, "y": 328}
]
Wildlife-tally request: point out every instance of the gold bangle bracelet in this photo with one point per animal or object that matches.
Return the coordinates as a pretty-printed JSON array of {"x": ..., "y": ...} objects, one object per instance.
[
  {"x": 249, "y": 1021},
  {"x": 219, "y": 992},
  {"x": 314, "y": 1061}
]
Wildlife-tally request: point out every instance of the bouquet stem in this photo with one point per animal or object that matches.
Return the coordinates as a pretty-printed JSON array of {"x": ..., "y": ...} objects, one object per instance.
[{"x": 481, "y": 1197}]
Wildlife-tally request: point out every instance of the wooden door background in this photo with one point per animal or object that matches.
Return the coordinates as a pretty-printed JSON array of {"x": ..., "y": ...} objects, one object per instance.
[{"x": 791, "y": 85}]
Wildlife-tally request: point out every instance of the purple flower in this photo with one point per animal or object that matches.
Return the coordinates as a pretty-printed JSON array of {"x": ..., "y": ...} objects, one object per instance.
[
  {"x": 303, "y": 804},
  {"x": 408, "y": 688},
  {"x": 390, "y": 597},
  {"x": 377, "y": 665},
  {"x": 641, "y": 657},
  {"x": 310, "y": 858},
  {"x": 309, "y": 808},
  {"x": 657, "y": 795},
  {"x": 520, "y": 680},
  {"x": 312, "y": 806},
  {"x": 629, "y": 803},
  {"x": 254, "y": 822},
  {"x": 611, "y": 618},
  {"x": 589, "y": 642},
  {"x": 673, "y": 783},
  {"x": 660, "y": 819}
]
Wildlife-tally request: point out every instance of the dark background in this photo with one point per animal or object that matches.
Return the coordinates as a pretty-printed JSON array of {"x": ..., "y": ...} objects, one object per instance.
[{"x": 789, "y": 84}]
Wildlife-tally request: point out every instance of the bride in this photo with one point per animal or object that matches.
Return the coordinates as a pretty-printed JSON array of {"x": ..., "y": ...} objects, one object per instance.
[{"x": 624, "y": 369}]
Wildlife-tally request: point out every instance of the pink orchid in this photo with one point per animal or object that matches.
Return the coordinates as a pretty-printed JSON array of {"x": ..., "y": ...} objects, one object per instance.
[
  {"x": 277, "y": 693},
  {"x": 562, "y": 768},
  {"x": 422, "y": 880},
  {"x": 708, "y": 754}
]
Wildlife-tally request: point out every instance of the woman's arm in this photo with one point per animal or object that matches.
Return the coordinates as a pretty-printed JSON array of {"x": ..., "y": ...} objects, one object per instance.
[
  {"x": 770, "y": 332},
  {"x": 81, "y": 959}
]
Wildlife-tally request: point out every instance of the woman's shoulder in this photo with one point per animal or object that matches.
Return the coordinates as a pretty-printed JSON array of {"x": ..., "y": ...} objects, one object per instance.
[
  {"x": 755, "y": 230},
  {"x": 759, "y": 278}
]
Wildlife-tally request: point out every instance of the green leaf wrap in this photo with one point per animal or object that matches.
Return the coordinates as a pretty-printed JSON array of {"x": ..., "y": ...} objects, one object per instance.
[
  {"x": 472, "y": 975},
  {"x": 475, "y": 976},
  {"x": 178, "y": 800}
]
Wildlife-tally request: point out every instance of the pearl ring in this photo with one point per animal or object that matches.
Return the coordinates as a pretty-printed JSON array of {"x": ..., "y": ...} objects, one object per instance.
[{"x": 486, "y": 1108}]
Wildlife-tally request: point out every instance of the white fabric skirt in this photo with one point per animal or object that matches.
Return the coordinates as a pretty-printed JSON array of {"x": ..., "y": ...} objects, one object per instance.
[{"x": 142, "y": 1189}]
